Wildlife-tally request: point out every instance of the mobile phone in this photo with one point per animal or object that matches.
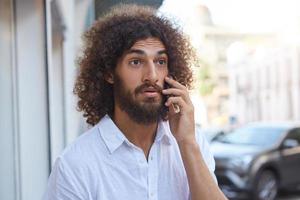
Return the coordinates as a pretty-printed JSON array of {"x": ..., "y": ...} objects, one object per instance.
[
  {"x": 175, "y": 106},
  {"x": 165, "y": 97}
]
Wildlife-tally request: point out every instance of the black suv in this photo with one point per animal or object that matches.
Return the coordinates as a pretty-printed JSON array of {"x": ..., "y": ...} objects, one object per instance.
[{"x": 257, "y": 160}]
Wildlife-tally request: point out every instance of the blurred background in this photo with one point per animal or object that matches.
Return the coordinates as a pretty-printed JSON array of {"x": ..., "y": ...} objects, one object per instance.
[{"x": 249, "y": 54}]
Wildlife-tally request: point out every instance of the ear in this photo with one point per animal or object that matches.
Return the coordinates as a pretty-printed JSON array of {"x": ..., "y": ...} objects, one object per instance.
[{"x": 109, "y": 77}]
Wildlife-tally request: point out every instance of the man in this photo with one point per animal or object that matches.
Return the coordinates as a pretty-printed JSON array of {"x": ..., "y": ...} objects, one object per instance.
[{"x": 132, "y": 87}]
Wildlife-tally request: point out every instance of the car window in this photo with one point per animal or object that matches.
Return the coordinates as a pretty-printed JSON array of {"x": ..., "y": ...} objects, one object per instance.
[
  {"x": 261, "y": 136},
  {"x": 294, "y": 134}
]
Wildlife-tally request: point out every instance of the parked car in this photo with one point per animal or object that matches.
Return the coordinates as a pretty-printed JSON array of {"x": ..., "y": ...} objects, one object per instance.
[
  {"x": 257, "y": 160},
  {"x": 212, "y": 133}
]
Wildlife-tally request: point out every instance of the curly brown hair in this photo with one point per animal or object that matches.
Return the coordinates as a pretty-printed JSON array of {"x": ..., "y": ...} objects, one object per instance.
[{"x": 109, "y": 38}]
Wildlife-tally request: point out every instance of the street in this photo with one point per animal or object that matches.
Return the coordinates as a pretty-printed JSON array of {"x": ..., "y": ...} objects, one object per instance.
[
  {"x": 286, "y": 196},
  {"x": 290, "y": 196}
]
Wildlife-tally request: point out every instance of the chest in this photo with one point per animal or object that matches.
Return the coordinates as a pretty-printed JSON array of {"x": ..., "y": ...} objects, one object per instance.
[{"x": 127, "y": 174}]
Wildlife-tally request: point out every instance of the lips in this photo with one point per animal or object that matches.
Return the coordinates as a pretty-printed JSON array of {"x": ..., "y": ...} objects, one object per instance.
[
  {"x": 150, "y": 89},
  {"x": 150, "y": 92}
]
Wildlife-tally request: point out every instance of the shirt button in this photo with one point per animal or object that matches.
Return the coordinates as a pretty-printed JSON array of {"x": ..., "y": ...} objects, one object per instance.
[
  {"x": 151, "y": 158},
  {"x": 151, "y": 194}
]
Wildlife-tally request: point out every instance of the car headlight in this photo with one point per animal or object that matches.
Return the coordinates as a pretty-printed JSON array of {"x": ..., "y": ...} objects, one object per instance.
[{"x": 242, "y": 162}]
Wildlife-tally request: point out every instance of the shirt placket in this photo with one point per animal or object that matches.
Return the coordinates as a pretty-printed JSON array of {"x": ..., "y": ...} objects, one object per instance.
[
  {"x": 153, "y": 173},
  {"x": 143, "y": 168}
]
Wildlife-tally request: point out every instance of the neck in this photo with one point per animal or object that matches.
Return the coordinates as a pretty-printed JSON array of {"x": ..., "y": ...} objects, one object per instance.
[{"x": 140, "y": 135}]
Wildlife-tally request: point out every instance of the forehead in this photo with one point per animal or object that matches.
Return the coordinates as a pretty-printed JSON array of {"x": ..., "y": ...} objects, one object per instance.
[{"x": 149, "y": 43}]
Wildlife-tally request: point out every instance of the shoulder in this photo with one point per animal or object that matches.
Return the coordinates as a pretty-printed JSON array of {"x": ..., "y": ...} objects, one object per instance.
[
  {"x": 72, "y": 170},
  {"x": 201, "y": 139},
  {"x": 205, "y": 151},
  {"x": 83, "y": 144},
  {"x": 84, "y": 152},
  {"x": 203, "y": 145}
]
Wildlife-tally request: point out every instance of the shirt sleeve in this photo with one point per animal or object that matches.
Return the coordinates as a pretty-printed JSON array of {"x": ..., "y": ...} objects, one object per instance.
[
  {"x": 62, "y": 183},
  {"x": 206, "y": 153}
]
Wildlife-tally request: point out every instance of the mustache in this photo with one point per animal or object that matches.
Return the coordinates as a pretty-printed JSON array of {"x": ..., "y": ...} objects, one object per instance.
[{"x": 144, "y": 86}]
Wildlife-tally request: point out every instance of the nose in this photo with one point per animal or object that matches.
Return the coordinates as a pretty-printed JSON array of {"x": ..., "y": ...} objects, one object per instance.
[{"x": 150, "y": 73}]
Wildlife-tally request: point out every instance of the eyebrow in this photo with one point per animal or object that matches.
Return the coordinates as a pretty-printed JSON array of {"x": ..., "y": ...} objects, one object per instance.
[{"x": 141, "y": 52}]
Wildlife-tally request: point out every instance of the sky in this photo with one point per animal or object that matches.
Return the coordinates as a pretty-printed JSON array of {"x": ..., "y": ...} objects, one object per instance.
[{"x": 246, "y": 15}]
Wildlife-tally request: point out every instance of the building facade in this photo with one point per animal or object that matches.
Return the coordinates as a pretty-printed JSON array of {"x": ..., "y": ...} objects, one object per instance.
[
  {"x": 38, "y": 118},
  {"x": 265, "y": 81}
]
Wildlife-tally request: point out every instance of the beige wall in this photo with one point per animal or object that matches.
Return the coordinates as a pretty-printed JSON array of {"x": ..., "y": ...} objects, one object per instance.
[{"x": 265, "y": 84}]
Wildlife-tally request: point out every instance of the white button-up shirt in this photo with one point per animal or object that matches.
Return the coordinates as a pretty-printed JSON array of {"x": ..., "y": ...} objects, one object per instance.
[{"x": 102, "y": 164}]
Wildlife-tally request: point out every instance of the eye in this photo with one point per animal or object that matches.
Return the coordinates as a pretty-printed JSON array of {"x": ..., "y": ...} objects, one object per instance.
[
  {"x": 135, "y": 62},
  {"x": 162, "y": 61}
]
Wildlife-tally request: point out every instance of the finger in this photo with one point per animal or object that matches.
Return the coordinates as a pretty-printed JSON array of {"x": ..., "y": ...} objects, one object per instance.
[
  {"x": 174, "y": 83},
  {"x": 175, "y": 100},
  {"x": 173, "y": 91},
  {"x": 176, "y": 92}
]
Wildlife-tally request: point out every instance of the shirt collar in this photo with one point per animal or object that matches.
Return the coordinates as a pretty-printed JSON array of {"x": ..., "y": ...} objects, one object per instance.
[
  {"x": 114, "y": 138},
  {"x": 111, "y": 134},
  {"x": 163, "y": 132}
]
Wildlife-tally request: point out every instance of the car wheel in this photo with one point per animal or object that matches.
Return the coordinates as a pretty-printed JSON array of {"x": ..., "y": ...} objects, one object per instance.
[{"x": 266, "y": 187}]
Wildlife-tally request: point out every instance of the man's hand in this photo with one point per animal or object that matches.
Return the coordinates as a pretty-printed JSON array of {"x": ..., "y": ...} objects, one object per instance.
[
  {"x": 201, "y": 183},
  {"x": 182, "y": 124}
]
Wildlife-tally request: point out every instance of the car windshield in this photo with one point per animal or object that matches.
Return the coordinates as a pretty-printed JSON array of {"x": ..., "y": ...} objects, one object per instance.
[
  {"x": 211, "y": 133},
  {"x": 260, "y": 136}
]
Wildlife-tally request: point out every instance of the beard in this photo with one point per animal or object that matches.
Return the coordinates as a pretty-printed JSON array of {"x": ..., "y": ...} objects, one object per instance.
[{"x": 146, "y": 111}]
